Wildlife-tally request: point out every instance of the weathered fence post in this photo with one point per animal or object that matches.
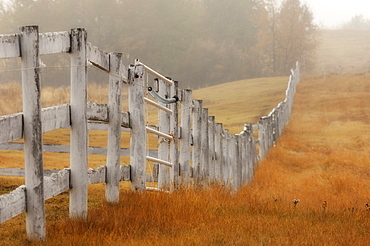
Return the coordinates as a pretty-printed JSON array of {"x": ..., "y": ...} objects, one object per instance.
[
  {"x": 31, "y": 89},
  {"x": 211, "y": 147},
  {"x": 197, "y": 120},
  {"x": 163, "y": 146},
  {"x": 226, "y": 148},
  {"x": 218, "y": 152},
  {"x": 262, "y": 137},
  {"x": 204, "y": 164},
  {"x": 243, "y": 158},
  {"x": 231, "y": 148},
  {"x": 185, "y": 152},
  {"x": 114, "y": 128},
  {"x": 138, "y": 130},
  {"x": 251, "y": 150},
  {"x": 234, "y": 165},
  {"x": 79, "y": 132},
  {"x": 174, "y": 128},
  {"x": 274, "y": 125}
]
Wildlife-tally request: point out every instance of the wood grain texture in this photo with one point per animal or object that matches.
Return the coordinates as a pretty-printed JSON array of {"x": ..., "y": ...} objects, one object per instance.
[
  {"x": 56, "y": 183},
  {"x": 55, "y": 117},
  {"x": 97, "y": 57},
  {"x": 196, "y": 139},
  {"x": 138, "y": 131},
  {"x": 11, "y": 127},
  {"x": 13, "y": 203},
  {"x": 185, "y": 142},
  {"x": 55, "y": 42},
  {"x": 9, "y": 46},
  {"x": 114, "y": 128},
  {"x": 79, "y": 132},
  {"x": 97, "y": 175},
  {"x": 32, "y": 128}
]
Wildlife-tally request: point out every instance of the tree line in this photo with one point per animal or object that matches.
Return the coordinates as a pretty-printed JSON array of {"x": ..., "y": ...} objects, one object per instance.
[
  {"x": 198, "y": 42},
  {"x": 357, "y": 22}
]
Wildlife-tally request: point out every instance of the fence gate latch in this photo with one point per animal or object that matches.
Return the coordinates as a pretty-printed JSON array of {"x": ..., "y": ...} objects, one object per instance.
[{"x": 154, "y": 94}]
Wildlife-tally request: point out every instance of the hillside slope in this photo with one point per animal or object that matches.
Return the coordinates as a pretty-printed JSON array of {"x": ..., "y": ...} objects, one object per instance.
[{"x": 245, "y": 101}]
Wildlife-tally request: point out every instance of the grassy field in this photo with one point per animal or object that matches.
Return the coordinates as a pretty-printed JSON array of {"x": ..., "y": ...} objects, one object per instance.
[
  {"x": 273, "y": 91},
  {"x": 321, "y": 161},
  {"x": 342, "y": 51},
  {"x": 244, "y": 101}
]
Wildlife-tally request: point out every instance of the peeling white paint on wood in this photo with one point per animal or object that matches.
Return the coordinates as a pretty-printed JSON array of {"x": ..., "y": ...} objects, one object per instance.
[
  {"x": 13, "y": 203},
  {"x": 114, "y": 128},
  {"x": 56, "y": 117},
  {"x": 9, "y": 46},
  {"x": 56, "y": 183},
  {"x": 125, "y": 120},
  {"x": 227, "y": 146},
  {"x": 66, "y": 149},
  {"x": 138, "y": 131},
  {"x": 211, "y": 147},
  {"x": 218, "y": 153},
  {"x": 11, "y": 127},
  {"x": 124, "y": 73},
  {"x": 204, "y": 143},
  {"x": 174, "y": 147},
  {"x": 21, "y": 172},
  {"x": 196, "y": 139},
  {"x": 97, "y": 175},
  {"x": 31, "y": 89},
  {"x": 185, "y": 151},
  {"x": 98, "y": 57},
  {"x": 125, "y": 173},
  {"x": 79, "y": 132},
  {"x": 54, "y": 42},
  {"x": 97, "y": 111}
]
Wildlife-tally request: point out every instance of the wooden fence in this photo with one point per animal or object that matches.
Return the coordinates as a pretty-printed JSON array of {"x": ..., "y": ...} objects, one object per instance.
[{"x": 198, "y": 151}]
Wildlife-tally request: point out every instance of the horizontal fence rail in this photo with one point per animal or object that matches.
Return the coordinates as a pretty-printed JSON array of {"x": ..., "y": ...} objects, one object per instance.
[{"x": 192, "y": 149}]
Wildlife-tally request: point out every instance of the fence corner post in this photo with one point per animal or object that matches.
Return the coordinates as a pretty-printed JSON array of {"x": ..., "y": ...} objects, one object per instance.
[{"x": 31, "y": 90}]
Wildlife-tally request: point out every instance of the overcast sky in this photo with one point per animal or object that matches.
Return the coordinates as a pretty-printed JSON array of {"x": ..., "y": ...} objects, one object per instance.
[{"x": 331, "y": 13}]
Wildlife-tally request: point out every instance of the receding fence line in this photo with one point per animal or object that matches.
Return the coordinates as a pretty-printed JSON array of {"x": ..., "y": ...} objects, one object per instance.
[{"x": 198, "y": 152}]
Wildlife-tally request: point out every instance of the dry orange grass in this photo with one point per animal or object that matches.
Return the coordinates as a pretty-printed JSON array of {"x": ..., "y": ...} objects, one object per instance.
[{"x": 322, "y": 159}]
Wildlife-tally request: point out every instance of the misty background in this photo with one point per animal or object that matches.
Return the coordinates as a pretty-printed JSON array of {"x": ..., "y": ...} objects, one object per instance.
[{"x": 197, "y": 42}]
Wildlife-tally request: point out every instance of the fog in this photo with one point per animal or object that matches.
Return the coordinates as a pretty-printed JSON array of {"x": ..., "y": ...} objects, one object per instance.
[
  {"x": 197, "y": 42},
  {"x": 331, "y": 14}
]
